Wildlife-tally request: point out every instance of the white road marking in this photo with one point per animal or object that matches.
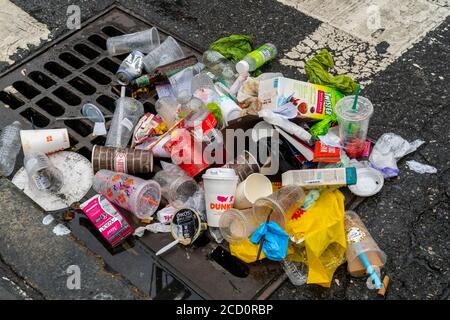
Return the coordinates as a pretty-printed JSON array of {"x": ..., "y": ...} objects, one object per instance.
[
  {"x": 353, "y": 29},
  {"x": 17, "y": 30}
]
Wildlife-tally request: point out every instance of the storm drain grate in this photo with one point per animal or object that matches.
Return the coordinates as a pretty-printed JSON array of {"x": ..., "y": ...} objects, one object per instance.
[{"x": 76, "y": 70}]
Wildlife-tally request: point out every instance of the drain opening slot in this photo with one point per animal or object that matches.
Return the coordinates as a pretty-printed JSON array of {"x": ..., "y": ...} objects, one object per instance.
[
  {"x": 57, "y": 69},
  {"x": 85, "y": 152},
  {"x": 52, "y": 108},
  {"x": 10, "y": 100},
  {"x": 72, "y": 141},
  {"x": 41, "y": 79},
  {"x": 27, "y": 90},
  {"x": 111, "y": 31},
  {"x": 109, "y": 65},
  {"x": 100, "y": 140},
  {"x": 97, "y": 76},
  {"x": 149, "y": 107},
  {"x": 67, "y": 96},
  {"x": 230, "y": 263},
  {"x": 107, "y": 102},
  {"x": 35, "y": 117},
  {"x": 86, "y": 51},
  {"x": 82, "y": 86},
  {"x": 98, "y": 41},
  {"x": 79, "y": 127},
  {"x": 71, "y": 60}
]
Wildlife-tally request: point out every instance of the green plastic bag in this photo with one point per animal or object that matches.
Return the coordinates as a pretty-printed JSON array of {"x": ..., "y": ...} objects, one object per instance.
[{"x": 233, "y": 47}]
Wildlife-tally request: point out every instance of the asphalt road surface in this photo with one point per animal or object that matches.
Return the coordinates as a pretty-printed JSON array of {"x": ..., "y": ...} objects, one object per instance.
[{"x": 398, "y": 50}]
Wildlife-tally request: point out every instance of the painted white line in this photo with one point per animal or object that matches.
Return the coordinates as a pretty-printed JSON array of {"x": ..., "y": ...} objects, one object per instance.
[
  {"x": 17, "y": 30},
  {"x": 365, "y": 36}
]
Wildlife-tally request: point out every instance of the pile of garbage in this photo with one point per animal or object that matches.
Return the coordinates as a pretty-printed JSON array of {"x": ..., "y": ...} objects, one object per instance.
[{"x": 277, "y": 199}]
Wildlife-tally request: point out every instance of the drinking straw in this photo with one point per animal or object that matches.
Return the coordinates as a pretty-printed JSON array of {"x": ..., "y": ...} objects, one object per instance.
[
  {"x": 362, "y": 256},
  {"x": 167, "y": 247},
  {"x": 355, "y": 102}
]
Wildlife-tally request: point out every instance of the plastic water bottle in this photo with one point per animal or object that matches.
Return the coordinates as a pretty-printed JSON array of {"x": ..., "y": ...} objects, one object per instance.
[
  {"x": 295, "y": 271},
  {"x": 220, "y": 67},
  {"x": 256, "y": 58},
  {"x": 9, "y": 147},
  {"x": 42, "y": 174}
]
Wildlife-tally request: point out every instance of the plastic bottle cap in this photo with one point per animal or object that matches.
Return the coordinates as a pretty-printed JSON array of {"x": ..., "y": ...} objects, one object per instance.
[{"x": 242, "y": 67}]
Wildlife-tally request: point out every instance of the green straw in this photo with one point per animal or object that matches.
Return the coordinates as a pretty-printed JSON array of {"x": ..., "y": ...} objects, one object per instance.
[{"x": 355, "y": 102}]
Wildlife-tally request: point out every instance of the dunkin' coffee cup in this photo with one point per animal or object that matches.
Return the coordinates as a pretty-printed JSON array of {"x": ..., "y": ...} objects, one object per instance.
[
  {"x": 255, "y": 186},
  {"x": 220, "y": 189},
  {"x": 44, "y": 141},
  {"x": 121, "y": 160}
]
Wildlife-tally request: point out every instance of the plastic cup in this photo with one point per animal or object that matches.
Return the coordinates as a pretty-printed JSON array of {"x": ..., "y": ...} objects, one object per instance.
[
  {"x": 220, "y": 189},
  {"x": 237, "y": 225},
  {"x": 244, "y": 165},
  {"x": 44, "y": 141},
  {"x": 175, "y": 188},
  {"x": 42, "y": 174},
  {"x": 134, "y": 194},
  {"x": 144, "y": 41},
  {"x": 187, "y": 225},
  {"x": 254, "y": 187},
  {"x": 126, "y": 115},
  {"x": 166, "y": 107},
  {"x": 353, "y": 124},
  {"x": 121, "y": 160},
  {"x": 360, "y": 241},
  {"x": 280, "y": 204},
  {"x": 166, "y": 52}
]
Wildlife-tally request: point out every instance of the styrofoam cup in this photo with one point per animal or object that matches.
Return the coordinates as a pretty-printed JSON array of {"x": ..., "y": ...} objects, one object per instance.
[
  {"x": 44, "y": 141},
  {"x": 220, "y": 189},
  {"x": 254, "y": 187}
]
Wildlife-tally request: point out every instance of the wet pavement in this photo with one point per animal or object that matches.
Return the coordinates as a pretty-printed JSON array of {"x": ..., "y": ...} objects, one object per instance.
[{"x": 409, "y": 218}]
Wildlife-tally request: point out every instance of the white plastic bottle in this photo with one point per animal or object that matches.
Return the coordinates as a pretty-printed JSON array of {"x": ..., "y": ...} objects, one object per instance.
[
  {"x": 9, "y": 147},
  {"x": 256, "y": 58},
  {"x": 295, "y": 271}
]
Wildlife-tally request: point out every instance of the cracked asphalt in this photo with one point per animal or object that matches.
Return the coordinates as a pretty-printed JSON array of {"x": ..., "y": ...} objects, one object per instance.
[{"x": 409, "y": 218}]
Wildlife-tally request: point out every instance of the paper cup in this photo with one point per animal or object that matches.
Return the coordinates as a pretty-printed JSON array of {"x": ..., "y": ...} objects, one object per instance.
[
  {"x": 44, "y": 141},
  {"x": 220, "y": 189},
  {"x": 254, "y": 187},
  {"x": 187, "y": 225}
]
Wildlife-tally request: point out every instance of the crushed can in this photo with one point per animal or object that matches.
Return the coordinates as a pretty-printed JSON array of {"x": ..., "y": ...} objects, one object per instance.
[{"x": 130, "y": 68}]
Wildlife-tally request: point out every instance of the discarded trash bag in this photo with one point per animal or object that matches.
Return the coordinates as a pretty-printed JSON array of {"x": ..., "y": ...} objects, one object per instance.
[
  {"x": 390, "y": 148},
  {"x": 275, "y": 241},
  {"x": 246, "y": 251},
  {"x": 317, "y": 67},
  {"x": 322, "y": 228}
]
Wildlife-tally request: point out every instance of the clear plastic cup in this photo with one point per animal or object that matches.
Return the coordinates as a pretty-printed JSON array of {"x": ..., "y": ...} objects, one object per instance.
[
  {"x": 237, "y": 225},
  {"x": 353, "y": 124},
  {"x": 203, "y": 88},
  {"x": 42, "y": 174},
  {"x": 360, "y": 241},
  {"x": 126, "y": 115},
  {"x": 166, "y": 52},
  {"x": 139, "y": 196},
  {"x": 144, "y": 41},
  {"x": 166, "y": 107},
  {"x": 175, "y": 188},
  {"x": 245, "y": 164},
  {"x": 280, "y": 204}
]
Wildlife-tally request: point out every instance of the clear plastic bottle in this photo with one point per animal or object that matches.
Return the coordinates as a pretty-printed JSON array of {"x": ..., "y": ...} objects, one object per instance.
[
  {"x": 220, "y": 66},
  {"x": 256, "y": 58},
  {"x": 42, "y": 174},
  {"x": 295, "y": 271},
  {"x": 9, "y": 147}
]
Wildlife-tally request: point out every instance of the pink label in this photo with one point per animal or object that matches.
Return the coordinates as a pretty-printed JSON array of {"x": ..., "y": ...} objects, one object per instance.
[
  {"x": 111, "y": 224},
  {"x": 366, "y": 151},
  {"x": 121, "y": 162},
  {"x": 320, "y": 99}
]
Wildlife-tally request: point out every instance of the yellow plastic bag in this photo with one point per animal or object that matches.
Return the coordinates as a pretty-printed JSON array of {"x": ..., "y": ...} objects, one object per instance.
[
  {"x": 322, "y": 228},
  {"x": 246, "y": 251}
]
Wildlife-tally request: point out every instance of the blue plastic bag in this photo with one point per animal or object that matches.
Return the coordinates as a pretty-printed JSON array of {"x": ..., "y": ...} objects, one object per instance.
[{"x": 275, "y": 245}]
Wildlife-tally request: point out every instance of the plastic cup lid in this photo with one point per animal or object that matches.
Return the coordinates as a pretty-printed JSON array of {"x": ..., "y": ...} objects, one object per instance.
[
  {"x": 344, "y": 109},
  {"x": 92, "y": 112},
  {"x": 220, "y": 174},
  {"x": 369, "y": 182}
]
